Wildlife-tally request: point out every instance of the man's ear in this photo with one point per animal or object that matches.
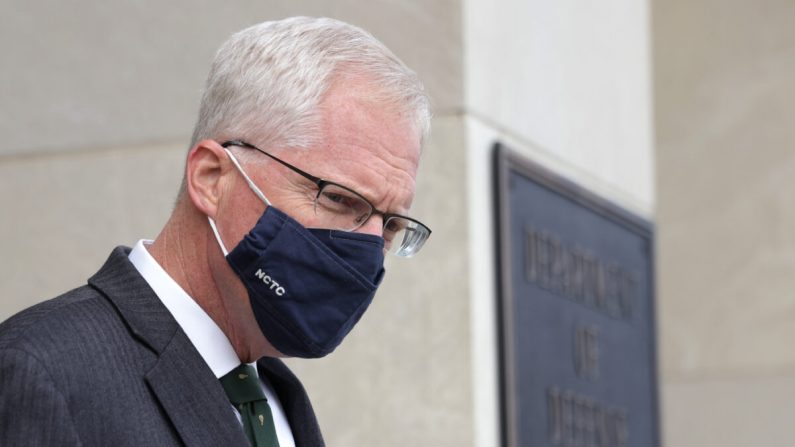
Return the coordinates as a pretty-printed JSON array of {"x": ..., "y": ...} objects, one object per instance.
[{"x": 207, "y": 162}]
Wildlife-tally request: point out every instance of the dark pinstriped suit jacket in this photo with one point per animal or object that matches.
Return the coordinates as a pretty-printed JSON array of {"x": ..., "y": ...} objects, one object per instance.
[{"x": 107, "y": 365}]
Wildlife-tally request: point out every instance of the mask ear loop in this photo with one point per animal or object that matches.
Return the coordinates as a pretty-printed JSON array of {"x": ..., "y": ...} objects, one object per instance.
[
  {"x": 251, "y": 185},
  {"x": 218, "y": 236}
]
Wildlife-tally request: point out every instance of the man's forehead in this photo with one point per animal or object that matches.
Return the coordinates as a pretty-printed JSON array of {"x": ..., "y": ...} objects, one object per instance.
[
  {"x": 365, "y": 163},
  {"x": 359, "y": 113}
]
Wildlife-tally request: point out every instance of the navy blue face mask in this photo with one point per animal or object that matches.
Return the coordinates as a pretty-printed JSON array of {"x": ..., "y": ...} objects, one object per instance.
[{"x": 307, "y": 287}]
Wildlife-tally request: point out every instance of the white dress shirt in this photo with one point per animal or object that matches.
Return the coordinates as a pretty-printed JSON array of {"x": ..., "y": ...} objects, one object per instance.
[{"x": 206, "y": 336}]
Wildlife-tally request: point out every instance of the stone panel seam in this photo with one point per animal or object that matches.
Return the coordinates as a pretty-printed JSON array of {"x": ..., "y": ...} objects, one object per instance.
[{"x": 12, "y": 156}]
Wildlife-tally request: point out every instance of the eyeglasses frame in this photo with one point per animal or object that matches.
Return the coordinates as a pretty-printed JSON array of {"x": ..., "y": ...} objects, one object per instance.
[{"x": 321, "y": 183}]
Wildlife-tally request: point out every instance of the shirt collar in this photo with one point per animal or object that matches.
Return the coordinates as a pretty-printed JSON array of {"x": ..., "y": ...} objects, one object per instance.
[{"x": 203, "y": 332}]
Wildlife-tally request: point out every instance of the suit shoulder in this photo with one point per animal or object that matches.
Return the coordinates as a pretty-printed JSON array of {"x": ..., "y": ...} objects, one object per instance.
[{"x": 57, "y": 319}]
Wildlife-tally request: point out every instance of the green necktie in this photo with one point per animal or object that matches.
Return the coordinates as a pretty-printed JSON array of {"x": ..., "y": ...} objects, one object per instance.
[{"x": 245, "y": 392}]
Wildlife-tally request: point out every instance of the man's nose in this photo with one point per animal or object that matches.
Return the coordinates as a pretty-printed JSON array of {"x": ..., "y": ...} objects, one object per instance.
[{"x": 374, "y": 226}]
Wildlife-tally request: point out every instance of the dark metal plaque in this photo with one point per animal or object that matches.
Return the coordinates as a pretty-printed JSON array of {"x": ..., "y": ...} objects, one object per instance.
[{"x": 576, "y": 314}]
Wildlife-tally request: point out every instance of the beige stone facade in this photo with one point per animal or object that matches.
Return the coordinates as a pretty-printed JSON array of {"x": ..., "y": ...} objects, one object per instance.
[
  {"x": 724, "y": 96},
  {"x": 680, "y": 111}
]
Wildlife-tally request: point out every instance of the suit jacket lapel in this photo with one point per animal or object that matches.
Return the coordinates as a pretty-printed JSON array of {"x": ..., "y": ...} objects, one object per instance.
[
  {"x": 193, "y": 398},
  {"x": 184, "y": 385},
  {"x": 295, "y": 402}
]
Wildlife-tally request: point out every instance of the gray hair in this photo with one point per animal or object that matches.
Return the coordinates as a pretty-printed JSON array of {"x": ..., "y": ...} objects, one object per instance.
[{"x": 267, "y": 81}]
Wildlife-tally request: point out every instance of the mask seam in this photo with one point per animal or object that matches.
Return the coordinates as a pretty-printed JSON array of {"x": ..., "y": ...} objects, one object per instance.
[
  {"x": 348, "y": 236},
  {"x": 366, "y": 303},
  {"x": 334, "y": 257},
  {"x": 325, "y": 250},
  {"x": 297, "y": 333},
  {"x": 292, "y": 330}
]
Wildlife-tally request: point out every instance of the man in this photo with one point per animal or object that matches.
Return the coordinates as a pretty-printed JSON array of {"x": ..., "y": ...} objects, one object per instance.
[{"x": 298, "y": 180}]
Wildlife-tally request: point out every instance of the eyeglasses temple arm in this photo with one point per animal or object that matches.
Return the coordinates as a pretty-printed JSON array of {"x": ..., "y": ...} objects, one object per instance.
[{"x": 316, "y": 180}]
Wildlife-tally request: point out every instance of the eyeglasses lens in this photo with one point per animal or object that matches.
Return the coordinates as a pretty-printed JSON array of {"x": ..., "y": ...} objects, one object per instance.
[
  {"x": 343, "y": 209},
  {"x": 404, "y": 237}
]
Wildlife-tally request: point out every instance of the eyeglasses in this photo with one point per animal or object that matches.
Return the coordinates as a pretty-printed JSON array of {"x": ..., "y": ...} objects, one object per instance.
[{"x": 342, "y": 208}]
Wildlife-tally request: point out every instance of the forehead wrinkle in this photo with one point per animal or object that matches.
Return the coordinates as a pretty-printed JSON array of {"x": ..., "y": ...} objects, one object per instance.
[
  {"x": 378, "y": 180},
  {"x": 367, "y": 146},
  {"x": 366, "y": 164}
]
